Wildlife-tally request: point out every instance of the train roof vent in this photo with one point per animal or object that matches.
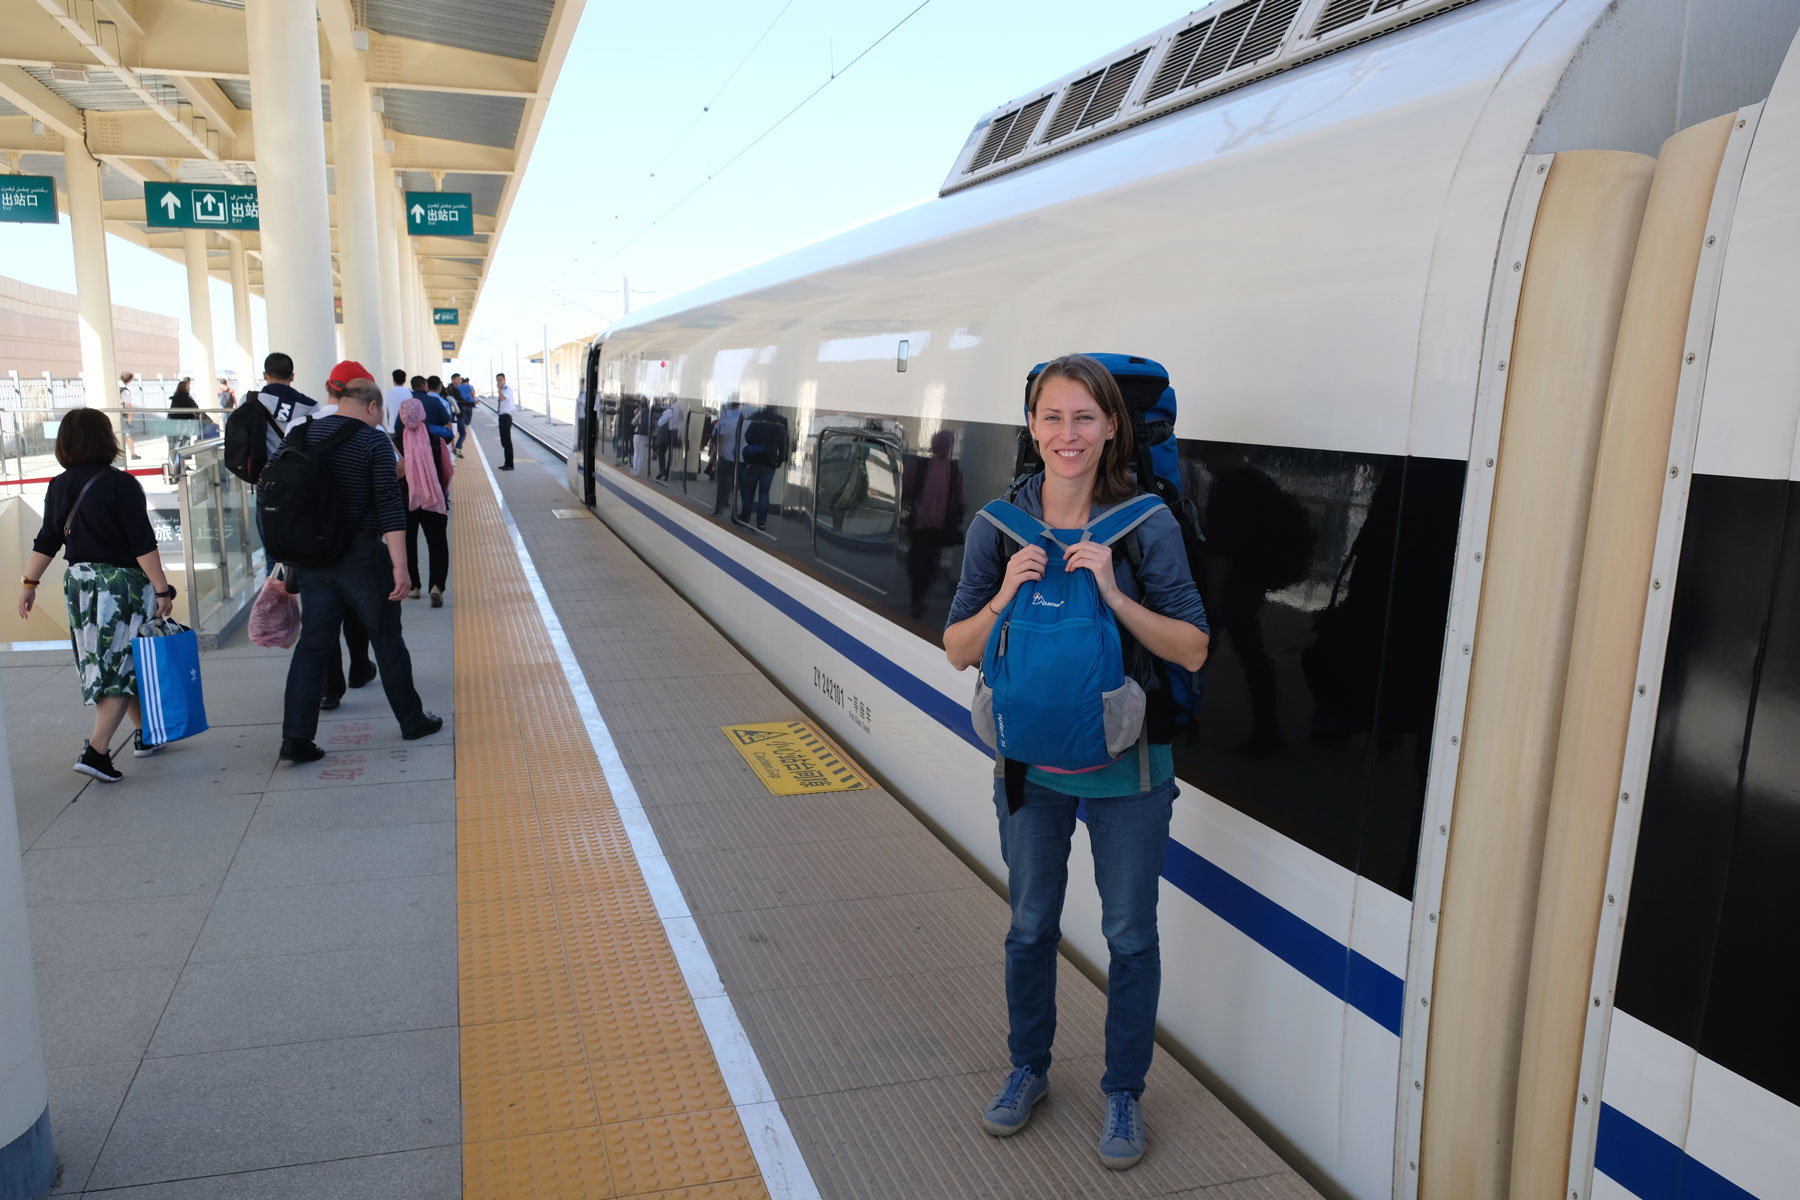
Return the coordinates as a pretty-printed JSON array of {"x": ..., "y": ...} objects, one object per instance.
[{"x": 1223, "y": 45}]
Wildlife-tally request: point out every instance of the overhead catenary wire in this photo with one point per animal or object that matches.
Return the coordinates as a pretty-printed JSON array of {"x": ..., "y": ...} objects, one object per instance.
[
  {"x": 754, "y": 142},
  {"x": 707, "y": 107}
]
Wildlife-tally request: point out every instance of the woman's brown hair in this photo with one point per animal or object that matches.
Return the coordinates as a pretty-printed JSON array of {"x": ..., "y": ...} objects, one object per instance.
[
  {"x": 1115, "y": 484},
  {"x": 86, "y": 437}
]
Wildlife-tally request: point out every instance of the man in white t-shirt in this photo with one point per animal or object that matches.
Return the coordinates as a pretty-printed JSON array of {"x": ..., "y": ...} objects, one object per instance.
[
  {"x": 395, "y": 395},
  {"x": 506, "y": 406}
]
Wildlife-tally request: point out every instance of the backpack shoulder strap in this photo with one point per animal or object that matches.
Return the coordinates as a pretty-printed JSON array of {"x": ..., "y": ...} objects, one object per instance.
[
  {"x": 1015, "y": 522},
  {"x": 1120, "y": 519}
]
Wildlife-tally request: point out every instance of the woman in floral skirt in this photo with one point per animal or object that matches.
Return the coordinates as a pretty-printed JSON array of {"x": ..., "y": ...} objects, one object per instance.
[{"x": 95, "y": 514}]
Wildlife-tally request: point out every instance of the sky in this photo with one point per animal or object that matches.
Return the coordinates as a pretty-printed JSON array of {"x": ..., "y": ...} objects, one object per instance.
[{"x": 655, "y": 98}]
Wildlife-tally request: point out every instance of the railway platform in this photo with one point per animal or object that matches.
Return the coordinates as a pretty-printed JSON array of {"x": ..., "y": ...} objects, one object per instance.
[{"x": 570, "y": 947}]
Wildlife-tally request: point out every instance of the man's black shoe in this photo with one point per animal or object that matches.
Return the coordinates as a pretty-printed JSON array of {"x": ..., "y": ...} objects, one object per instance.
[
  {"x": 300, "y": 750},
  {"x": 505, "y": 466},
  {"x": 361, "y": 675},
  {"x": 329, "y": 703},
  {"x": 425, "y": 728}
]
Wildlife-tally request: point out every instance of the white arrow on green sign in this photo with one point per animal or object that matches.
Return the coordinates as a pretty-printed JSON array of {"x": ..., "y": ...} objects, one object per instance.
[
  {"x": 450, "y": 214},
  {"x": 28, "y": 199},
  {"x": 446, "y": 316},
  {"x": 200, "y": 206}
]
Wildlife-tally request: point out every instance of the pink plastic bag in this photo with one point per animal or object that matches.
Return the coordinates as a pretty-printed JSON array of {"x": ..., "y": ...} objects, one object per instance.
[{"x": 275, "y": 616}]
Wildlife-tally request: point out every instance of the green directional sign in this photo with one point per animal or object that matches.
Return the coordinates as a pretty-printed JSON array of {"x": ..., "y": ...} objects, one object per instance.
[
  {"x": 446, "y": 316},
  {"x": 200, "y": 206},
  {"x": 440, "y": 213},
  {"x": 29, "y": 199}
]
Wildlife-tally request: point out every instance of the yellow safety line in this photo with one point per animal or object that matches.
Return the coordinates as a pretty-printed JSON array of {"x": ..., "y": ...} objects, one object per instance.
[{"x": 585, "y": 1070}]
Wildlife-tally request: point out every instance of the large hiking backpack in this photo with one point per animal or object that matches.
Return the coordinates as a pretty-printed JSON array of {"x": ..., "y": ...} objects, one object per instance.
[
  {"x": 302, "y": 514},
  {"x": 247, "y": 430},
  {"x": 1053, "y": 691},
  {"x": 1172, "y": 692}
]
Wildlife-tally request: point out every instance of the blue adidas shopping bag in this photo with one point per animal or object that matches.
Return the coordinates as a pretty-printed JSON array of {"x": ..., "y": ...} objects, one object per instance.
[{"x": 167, "y": 655}]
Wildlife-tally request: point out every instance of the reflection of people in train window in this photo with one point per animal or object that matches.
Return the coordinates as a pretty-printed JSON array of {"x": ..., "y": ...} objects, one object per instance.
[
  {"x": 765, "y": 450},
  {"x": 1264, "y": 539},
  {"x": 725, "y": 443},
  {"x": 663, "y": 441},
  {"x": 851, "y": 471},
  {"x": 931, "y": 496}
]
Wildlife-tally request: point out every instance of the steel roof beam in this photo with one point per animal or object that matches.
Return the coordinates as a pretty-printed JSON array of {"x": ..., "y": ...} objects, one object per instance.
[{"x": 39, "y": 102}]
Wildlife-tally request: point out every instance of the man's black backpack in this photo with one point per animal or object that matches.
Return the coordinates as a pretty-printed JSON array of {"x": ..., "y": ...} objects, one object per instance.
[
  {"x": 247, "y": 439},
  {"x": 302, "y": 515}
]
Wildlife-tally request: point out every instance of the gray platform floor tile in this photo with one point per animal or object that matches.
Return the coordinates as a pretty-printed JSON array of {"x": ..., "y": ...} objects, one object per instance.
[
  {"x": 1282, "y": 1185},
  {"x": 242, "y": 1110},
  {"x": 817, "y": 872},
  {"x": 120, "y": 816},
  {"x": 428, "y": 758},
  {"x": 232, "y": 1004},
  {"x": 84, "y": 1099},
  {"x": 297, "y": 857},
  {"x": 755, "y": 818},
  {"x": 127, "y": 871},
  {"x": 101, "y": 1016},
  {"x": 234, "y": 759},
  {"x": 116, "y": 933},
  {"x": 335, "y": 916},
  {"x": 370, "y": 806},
  {"x": 434, "y": 1174}
]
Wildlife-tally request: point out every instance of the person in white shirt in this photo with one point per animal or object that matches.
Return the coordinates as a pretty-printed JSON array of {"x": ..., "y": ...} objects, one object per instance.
[
  {"x": 508, "y": 402},
  {"x": 397, "y": 394}
]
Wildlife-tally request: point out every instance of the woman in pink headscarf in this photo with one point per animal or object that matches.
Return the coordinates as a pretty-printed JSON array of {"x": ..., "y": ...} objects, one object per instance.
[{"x": 425, "y": 466}]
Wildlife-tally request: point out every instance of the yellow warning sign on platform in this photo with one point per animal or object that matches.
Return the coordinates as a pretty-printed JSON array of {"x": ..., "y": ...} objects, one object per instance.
[{"x": 792, "y": 759}]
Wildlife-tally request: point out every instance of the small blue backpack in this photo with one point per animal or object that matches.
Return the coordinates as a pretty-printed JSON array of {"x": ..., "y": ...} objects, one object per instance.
[{"x": 1053, "y": 691}]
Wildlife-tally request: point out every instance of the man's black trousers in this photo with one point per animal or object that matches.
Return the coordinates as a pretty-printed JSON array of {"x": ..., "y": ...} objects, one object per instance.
[
  {"x": 359, "y": 582},
  {"x": 506, "y": 439}
]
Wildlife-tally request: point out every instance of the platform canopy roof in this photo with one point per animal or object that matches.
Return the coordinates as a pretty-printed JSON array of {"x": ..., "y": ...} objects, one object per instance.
[{"x": 160, "y": 90}]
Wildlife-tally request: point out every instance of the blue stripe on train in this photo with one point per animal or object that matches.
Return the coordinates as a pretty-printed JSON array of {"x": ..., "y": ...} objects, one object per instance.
[
  {"x": 1647, "y": 1166},
  {"x": 1371, "y": 989}
]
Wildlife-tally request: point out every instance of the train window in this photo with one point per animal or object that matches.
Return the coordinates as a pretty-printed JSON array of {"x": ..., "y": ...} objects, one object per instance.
[{"x": 856, "y": 507}]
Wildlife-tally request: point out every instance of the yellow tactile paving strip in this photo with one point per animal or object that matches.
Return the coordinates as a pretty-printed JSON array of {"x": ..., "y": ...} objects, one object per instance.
[{"x": 585, "y": 1070}]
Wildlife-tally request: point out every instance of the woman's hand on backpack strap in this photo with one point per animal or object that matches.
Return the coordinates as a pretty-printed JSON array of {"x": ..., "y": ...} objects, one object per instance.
[
  {"x": 1098, "y": 559},
  {"x": 1024, "y": 566}
]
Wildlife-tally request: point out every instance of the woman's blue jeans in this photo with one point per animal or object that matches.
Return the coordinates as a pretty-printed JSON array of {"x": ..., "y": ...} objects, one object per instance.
[{"x": 1127, "y": 834}]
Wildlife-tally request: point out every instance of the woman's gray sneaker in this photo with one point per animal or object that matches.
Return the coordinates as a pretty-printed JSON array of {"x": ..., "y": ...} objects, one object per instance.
[
  {"x": 1011, "y": 1106},
  {"x": 1122, "y": 1132}
]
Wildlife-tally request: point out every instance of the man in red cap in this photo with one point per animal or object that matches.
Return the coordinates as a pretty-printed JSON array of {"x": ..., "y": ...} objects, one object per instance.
[{"x": 356, "y": 637}]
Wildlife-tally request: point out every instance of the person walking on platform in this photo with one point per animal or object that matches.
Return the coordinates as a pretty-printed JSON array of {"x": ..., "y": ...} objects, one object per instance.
[
  {"x": 453, "y": 396},
  {"x": 356, "y": 634},
  {"x": 506, "y": 403},
  {"x": 1083, "y": 434},
  {"x": 96, "y": 515},
  {"x": 425, "y": 468},
  {"x": 369, "y": 579},
  {"x": 725, "y": 444},
  {"x": 465, "y": 412}
]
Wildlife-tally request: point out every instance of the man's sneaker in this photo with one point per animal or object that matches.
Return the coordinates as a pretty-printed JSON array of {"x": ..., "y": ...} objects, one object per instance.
[
  {"x": 1122, "y": 1132},
  {"x": 413, "y": 595},
  {"x": 300, "y": 750},
  {"x": 428, "y": 724},
  {"x": 97, "y": 765},
  {"x": 1011, "y": 1106},
  {"x": 141, "y": 750},
  {"x": 437, "y": 597}
]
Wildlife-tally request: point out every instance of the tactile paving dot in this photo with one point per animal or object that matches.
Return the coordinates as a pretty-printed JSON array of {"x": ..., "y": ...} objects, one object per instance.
[
  {"x": 499, "y": 856},
  {"x": 507, "y": 1047},
  {"x": 502, "y": 1106},
  {"x": 601, "y": 945},
  {"x": 643, "y": 982},
  {"x": 497, "y": 918},
  {"x": 567, "y": 1165},
  {"x": 634, "y": 1088},
  {"x": 628, "y": 1032},
  {"x": 582, "y": 909},
  {"x": 489, "y": 998},
  {"x": 512, "y": 954},
  {"x": 731, "y": 1189},
  {"x": 679, "y": 1151},
  {"x": 508, "y": 883}
]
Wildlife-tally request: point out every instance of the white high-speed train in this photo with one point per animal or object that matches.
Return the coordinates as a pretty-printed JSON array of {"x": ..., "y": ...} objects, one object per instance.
[{"x": 1485, "y": 874}]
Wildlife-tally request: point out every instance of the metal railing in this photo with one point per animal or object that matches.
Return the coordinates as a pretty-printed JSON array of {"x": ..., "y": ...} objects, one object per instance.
[
  {"x": 149, "y": 437},
  {"x": 219, "y": 545}
]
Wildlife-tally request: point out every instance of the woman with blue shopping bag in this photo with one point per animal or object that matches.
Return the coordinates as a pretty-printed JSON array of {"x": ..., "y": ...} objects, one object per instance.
[{"x": 95, "y": 514}]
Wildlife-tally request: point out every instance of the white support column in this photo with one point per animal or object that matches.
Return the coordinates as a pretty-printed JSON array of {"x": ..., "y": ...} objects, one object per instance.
[
  {"x": 283, "y": 38},
  {"x": 408, "y": 298},
  {"x": 359, "y": 249},
  {"x": 197, "y": 355},
  {"x": 93, "y": 284},
  {"x": 393, "y": 337},
  {"x": 249, "y": 371}
]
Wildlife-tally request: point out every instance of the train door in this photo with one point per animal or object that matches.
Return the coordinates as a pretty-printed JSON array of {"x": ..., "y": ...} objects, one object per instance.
[
  {"x": 587, "y": 424},
  {"x": 695, "y": 454}
]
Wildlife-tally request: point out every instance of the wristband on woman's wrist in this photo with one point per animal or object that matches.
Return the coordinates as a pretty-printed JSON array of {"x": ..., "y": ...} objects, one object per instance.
[
  {"x": 167, "y": 595},
  {"x": 30, "y": 583},
  {"x": 990, "y": 608}
]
